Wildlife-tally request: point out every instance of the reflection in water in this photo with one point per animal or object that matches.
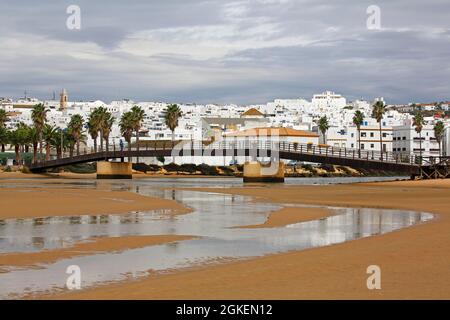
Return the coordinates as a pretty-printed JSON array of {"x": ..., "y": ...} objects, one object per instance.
[{"x": 212, "y": 218}]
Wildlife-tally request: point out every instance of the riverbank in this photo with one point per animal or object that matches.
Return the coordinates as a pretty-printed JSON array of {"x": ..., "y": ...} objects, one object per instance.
[
  {"x": 415, "y": 262},
  {"x": 23, "y": 202}
]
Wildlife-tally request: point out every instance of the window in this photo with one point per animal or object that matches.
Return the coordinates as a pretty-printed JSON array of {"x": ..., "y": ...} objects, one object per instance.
[
  {"x": 404, "y": 138},
  {"x": 371, "y": 135},
  {"x": 363, "y": 134},
  {"x": 362, "y": 146},
  {"x": 352, "y": 135},
  {"x": 352, "y": 146},
  {"x": 384, "y": 134},
  {"x": 404, "y": 149},
  {"x": 372, "y": 146}
]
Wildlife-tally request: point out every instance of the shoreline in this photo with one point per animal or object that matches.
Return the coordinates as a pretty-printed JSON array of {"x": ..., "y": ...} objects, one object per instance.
[
  {"x": 415, "y": 261},
  {"x": 47, "y": 202}
]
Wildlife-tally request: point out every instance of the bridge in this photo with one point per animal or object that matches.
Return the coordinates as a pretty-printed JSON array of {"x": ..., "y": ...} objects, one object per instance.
[{"x": 431, "y": 167}]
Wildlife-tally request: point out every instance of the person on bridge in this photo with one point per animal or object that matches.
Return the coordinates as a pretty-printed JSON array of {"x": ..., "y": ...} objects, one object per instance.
[{"x": 121, "y": 145}]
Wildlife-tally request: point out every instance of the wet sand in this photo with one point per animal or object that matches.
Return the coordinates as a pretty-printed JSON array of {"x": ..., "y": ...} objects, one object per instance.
[
  {"x": 44, "y": 202},
  {"x": 285, "y": 216},
  {"x": 84, "y": 248},
  {"x": 415, "y": 262}
]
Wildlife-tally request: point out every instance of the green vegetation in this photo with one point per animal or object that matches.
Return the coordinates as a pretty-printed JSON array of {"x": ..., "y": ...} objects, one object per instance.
[
  {"x": 323, "y": 127},
  {"x": 439, "y": 129},
  {"x": 378, "y": 111},
  {"x": 358, "y": 120}
]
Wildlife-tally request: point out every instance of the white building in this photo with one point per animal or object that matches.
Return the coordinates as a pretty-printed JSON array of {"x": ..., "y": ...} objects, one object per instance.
[
  {"x": 408, "y": 141},
  {"x": 370, "y": 138},
  {"x": 328, "y": 99}
]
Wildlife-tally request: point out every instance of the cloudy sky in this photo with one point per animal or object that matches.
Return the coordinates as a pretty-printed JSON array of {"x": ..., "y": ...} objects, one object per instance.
[{"x": 248, "y": 51}]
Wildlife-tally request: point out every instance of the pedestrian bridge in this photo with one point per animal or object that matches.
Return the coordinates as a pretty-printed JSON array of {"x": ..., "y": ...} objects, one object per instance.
[{"x": 358, "y": 159}]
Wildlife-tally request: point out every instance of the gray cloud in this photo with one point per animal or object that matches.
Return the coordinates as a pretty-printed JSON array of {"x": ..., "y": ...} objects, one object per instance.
[{"x": 215, "y": 51}]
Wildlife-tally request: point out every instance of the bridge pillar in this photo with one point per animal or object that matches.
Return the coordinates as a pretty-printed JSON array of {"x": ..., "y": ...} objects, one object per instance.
[
  {"x": 256, "y": 172},
  {"x": 114, "y": 170}
]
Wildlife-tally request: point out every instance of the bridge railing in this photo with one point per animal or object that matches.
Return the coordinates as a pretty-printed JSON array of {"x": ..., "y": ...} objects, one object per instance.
[{"x": 280, "y": 146}]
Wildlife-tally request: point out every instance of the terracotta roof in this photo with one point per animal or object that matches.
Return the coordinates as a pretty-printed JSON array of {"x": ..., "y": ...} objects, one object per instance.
[
  {"x": 252, "y": 112},
  {"x": 273, "y": 131}
]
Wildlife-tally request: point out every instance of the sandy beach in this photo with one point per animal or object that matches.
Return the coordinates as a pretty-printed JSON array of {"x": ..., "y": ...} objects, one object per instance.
[
  {"x": 43, "y": 202},
  {"x": 415, "y": 262}
]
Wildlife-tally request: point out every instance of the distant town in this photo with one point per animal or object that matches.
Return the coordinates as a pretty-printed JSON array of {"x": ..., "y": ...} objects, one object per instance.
[{"x": 395, "y": 132}]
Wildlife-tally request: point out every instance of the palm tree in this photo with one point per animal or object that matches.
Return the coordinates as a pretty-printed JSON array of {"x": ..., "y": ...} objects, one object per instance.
[
  {"x": 323, "y": 127},
  {"x": 439, "y": 129},
  {"x": 33, "y": 137},
  {"x": 48, "y": 133},
  {"x": 76, "y": 129},
  {"x": 39, "y": 117},
  {"x": 173, "y": 113},
  {"x": 106, "y": 127},
  {"x": 358, "y": 120},
  {"x": 94, "y": 124},
  {"x": 138, "y": 116},
  {"x": 19, "y": 138},
  {"x": 3, "y": 119},
  {"x": 4, "y": 134},
  {"x": 418, "y": 123},
  {"x": 69, "y": 142},
  {"x": 126, "y": 126},
  {"x": 378, "y": 111}
]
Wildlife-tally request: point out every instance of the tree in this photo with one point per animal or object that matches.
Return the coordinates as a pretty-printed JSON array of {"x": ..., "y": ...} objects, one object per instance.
[
  {"x": 358, "y": 120},
  {"x": 323, "y": 127},
  {"x": 3, "y": 119},
  {"x": 126, "y": 126},
  {"x": 378, "y": 111},
  {"x": 100, "y": 120},
  {"x": 138, "y": 116},
  {"x": 33, "y": 137},
  {"x": 19, "y": 138},
  {"x": 48, "y": 133},
  {"x": 39, "y": 117},
  {"x": 106, "y": 127},
  {"x": 418, "y": 123},
  {"x": 4, "y": 137},
  {"x": 94, "y": 124},
  {"x": 76, "y": 129},
  {"x": 161, "y": 159},
  {"x": 173, "y": 113},
  {"x": 439, "y": 130}
]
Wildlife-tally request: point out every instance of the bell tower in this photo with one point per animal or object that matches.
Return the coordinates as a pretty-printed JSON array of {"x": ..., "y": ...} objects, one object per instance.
[{"x": 64, "y": 98}]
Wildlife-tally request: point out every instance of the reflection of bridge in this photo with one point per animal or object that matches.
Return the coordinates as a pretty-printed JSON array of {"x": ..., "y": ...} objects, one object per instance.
[{"x": 362, "y": 159}]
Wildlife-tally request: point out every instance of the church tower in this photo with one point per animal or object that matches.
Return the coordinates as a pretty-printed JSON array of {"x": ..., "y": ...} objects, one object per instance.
[{"x": 63, "y": 100}]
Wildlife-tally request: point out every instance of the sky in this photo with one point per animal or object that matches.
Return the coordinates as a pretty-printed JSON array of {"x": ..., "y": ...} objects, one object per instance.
[{"x": 216, "y": 51}]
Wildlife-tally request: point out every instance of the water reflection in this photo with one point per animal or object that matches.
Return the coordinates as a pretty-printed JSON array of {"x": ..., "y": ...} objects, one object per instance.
[{"x": 212, "y": 218}]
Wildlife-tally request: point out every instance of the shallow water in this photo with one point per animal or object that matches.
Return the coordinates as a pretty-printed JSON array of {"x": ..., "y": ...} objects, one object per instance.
[{"x": 211, "y": 219}]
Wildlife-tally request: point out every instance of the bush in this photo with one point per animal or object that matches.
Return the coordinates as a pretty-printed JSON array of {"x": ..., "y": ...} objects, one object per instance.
[
  {"x": 327, "y": 167},
  {"x": 25, "y": 169},
  {"x": 172, "y": 167},
  {"x": 188, "y": 167},
  {"x": 208, "y": 170}
]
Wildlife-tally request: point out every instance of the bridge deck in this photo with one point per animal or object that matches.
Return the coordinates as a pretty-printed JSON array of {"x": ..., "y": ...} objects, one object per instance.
[{"x": 290, "y": 151}]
